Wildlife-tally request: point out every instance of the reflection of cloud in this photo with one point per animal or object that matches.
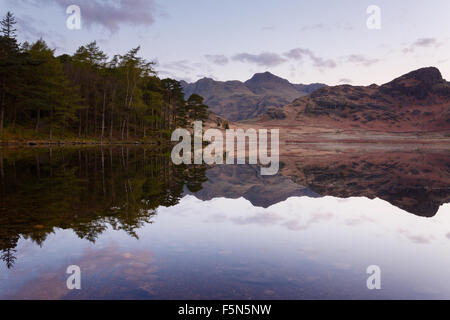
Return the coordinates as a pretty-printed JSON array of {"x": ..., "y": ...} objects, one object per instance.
[
  {"x": 302, "y": 214},
  {"x": 342, "y": 266},
  {"x": 260, "y": 219},
  {"x": 296, "y": 225},
  {"x": 416, "y": 238},
  {"x": 104, "y": 271},
  {"x": 354, "y": 221}
]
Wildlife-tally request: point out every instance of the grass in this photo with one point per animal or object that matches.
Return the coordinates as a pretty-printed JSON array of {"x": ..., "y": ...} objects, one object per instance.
[{"x": 21, "y": 135}]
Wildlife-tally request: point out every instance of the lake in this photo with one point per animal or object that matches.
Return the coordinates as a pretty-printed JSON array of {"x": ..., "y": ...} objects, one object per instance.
[{"x": 140, "y": 227}]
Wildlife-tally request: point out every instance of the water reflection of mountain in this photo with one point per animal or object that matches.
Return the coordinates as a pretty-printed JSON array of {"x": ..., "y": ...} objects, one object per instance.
[
  {"x": 236, "y": 181},
  {"x": 416, "y": 182}
]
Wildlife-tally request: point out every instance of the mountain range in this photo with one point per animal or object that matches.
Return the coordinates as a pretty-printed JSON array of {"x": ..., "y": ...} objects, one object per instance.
[
  {"x": 418, "y": 101},
  {"x": 236, "y": 100}
]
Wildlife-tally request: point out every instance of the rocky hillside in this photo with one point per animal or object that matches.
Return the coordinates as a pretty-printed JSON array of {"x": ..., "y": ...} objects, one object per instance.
[
  {"x": 417, "y": 101},
  {"x": 236, "y": 100}
]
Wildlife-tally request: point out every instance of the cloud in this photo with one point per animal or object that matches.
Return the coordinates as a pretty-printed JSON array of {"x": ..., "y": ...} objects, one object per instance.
[
  {"x": 345, "y": 81},
  {"x": 300, "y": 54},
  {"x": 29, "y": 32},
  {"x": 326, "y": 27},
  {"x": 28, "y": 29},
  {"x": 268, "y": 28},
  {"x": 422, "y": 43},
  {"x": 318, "y": 26},
  {"x": 171, "y": 75},
  {"x": 218, "y": 59},
  {"x": 426, "y": 42},
  {"x": 179, "y": 65},
  {"x": 362, "y": 60},
  {"x": 266, "y": 59},
  {"x": 110, "y": 14}
]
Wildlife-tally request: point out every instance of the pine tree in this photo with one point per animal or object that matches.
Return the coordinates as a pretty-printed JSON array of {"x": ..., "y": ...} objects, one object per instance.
[
  {"x": 197, "y": 109},
  {"x": 10, "y": 66},
  {"x": 50, "y": 94},
  {"x": 7, "y": 26},
  {"x": 174, "y": 98}
]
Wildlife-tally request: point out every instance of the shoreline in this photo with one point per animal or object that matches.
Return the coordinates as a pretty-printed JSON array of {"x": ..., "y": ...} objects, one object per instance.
[{"x": 74, "y": 142}]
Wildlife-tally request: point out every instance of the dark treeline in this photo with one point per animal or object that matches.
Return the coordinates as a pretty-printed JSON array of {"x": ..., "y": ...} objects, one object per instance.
[
  {"x": 86, "y": 94},
  {"x": 85, "y": 190}
]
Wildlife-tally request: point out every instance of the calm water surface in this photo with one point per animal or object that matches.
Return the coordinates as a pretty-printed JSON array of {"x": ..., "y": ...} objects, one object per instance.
[{"x": 141, "y": 228}]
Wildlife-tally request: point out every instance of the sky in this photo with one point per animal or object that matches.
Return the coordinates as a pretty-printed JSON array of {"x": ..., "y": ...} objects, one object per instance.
[{"x": 304, "y": 41}]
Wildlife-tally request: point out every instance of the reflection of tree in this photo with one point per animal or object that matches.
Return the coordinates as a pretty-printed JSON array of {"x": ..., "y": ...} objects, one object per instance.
[
  {"x": 8, "y": 241},
  {"x": 8, "y": 256},
  {"x": 194, "y": 178},
  {"x": 7, "y": 247},
  {"x": 87, "y": 191}
]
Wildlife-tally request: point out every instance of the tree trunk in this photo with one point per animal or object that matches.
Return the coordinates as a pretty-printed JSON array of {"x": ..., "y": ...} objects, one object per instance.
[
  {"x": 123, "y": 128},
  {"x": 2, "y": 117},
  {"x": 38, "y": 120},
  {"x": 79, "y": 126},
  {"x": 14, "y": 117},
  {"x": 111, "y": 126},
  {"x": 3, "y": 107},
  {"x": 103, "y": 115},
  {"x": 51, "y": 124},
  {"x": 87, "y": 123},
  {"x": 2, "y": 172},
  {"x": 38, "y": 166},
  {"x": 128, "y": 128},
  {"x": 112, "y": 114}
]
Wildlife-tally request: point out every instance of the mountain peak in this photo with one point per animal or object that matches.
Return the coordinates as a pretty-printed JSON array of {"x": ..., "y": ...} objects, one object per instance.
[
  {"x": 418, "y": 83},
  {"x": 236, "y": 100},
  {"x": 429, "y": 75},
  {"x": 206, "y": 79},
  {"x": 265, "y": 76},
  {"x": 262, "y": 81}
]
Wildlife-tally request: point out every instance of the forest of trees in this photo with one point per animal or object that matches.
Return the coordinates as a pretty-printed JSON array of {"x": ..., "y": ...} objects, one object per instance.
[{"x": 87, "y": 94}]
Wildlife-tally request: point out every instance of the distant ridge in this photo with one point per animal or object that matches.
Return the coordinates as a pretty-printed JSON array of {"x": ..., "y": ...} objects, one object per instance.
[
  {"x": 416, "y": 101},
  {"x": 236, "y": 100}
]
